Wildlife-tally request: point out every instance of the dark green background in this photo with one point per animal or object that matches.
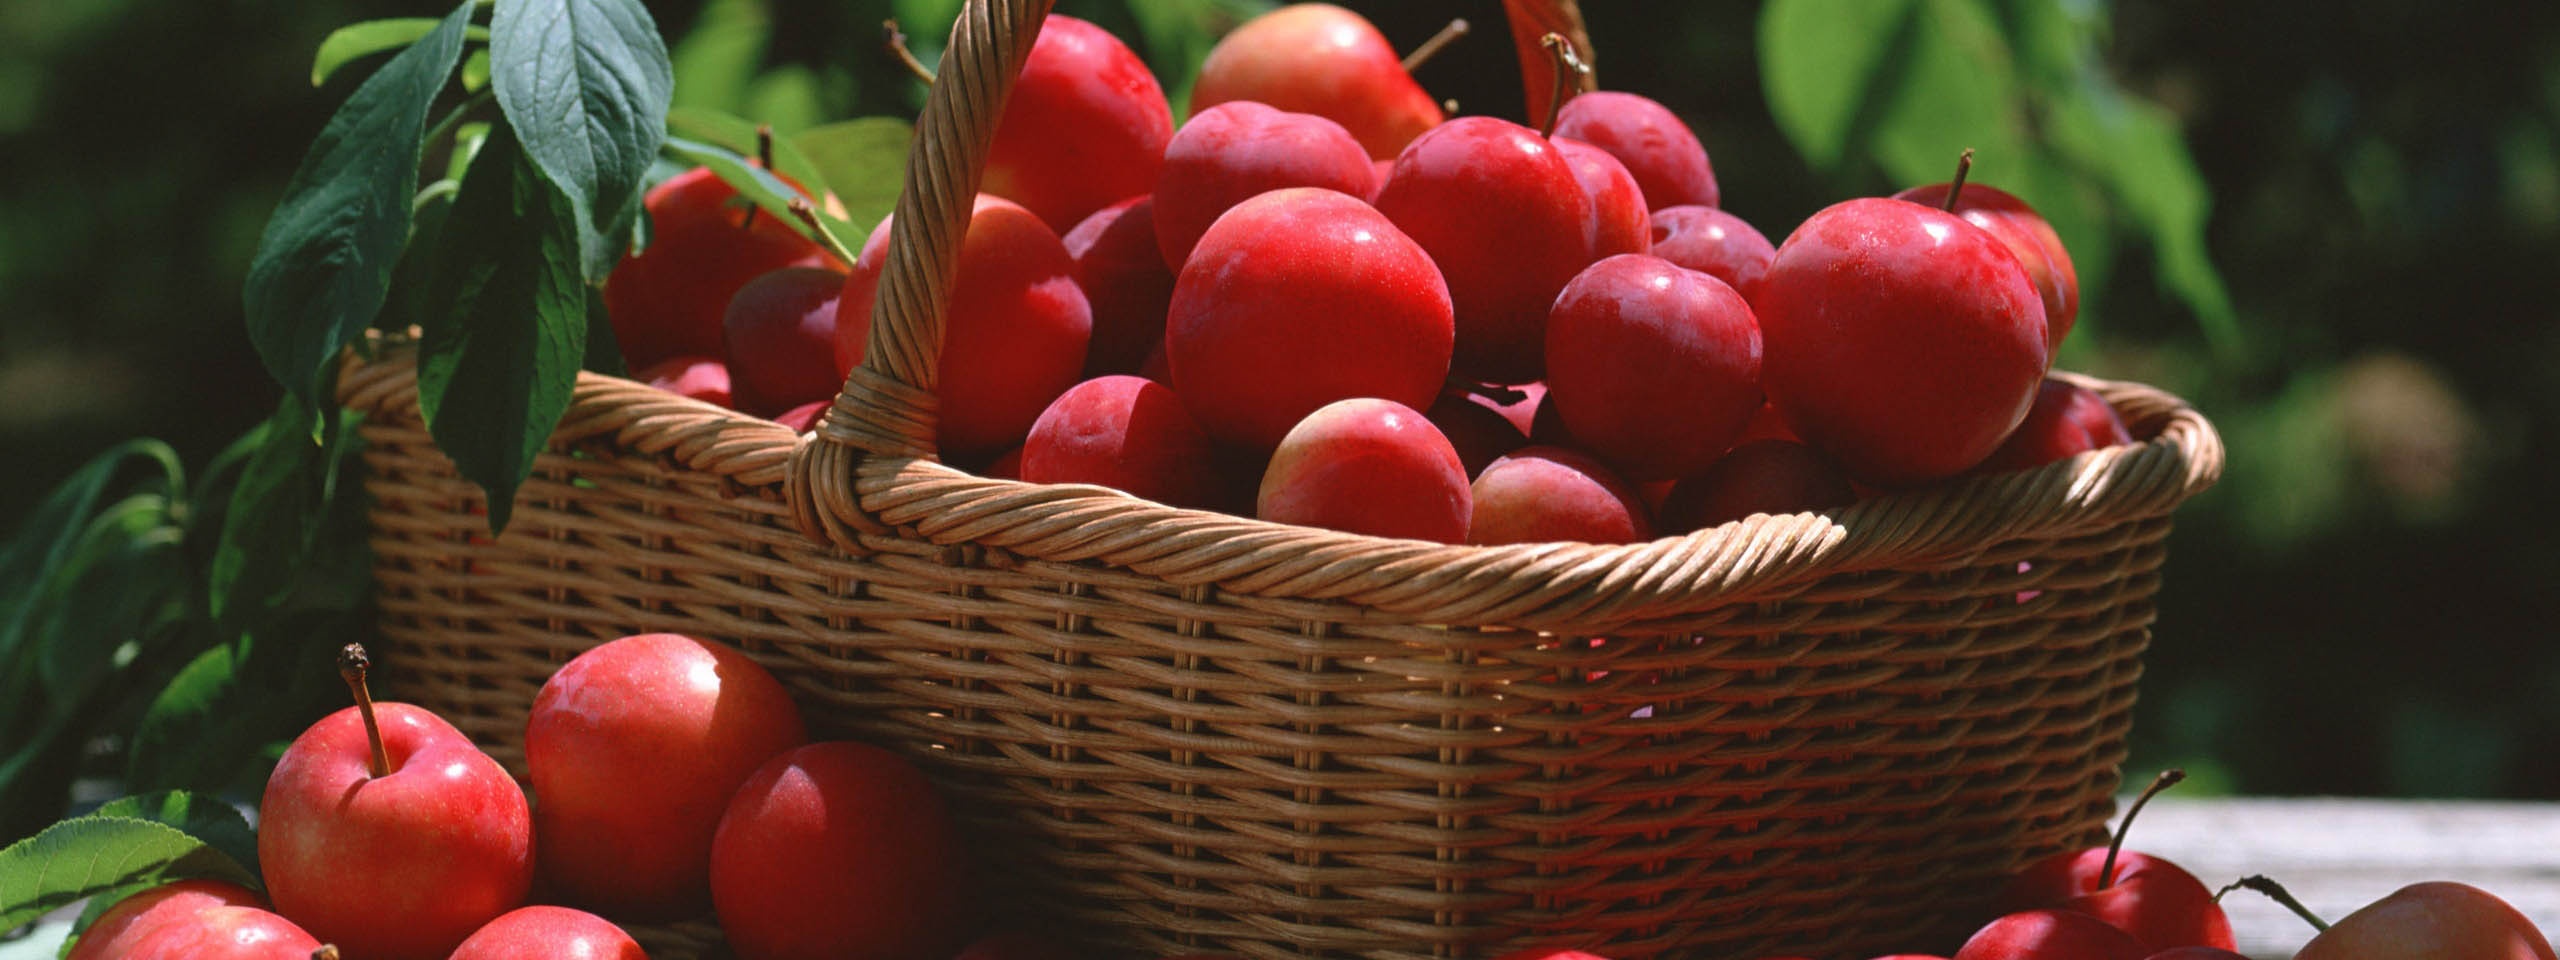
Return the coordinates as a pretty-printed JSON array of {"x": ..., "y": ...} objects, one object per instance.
[{"x": 2367, "y": 604}]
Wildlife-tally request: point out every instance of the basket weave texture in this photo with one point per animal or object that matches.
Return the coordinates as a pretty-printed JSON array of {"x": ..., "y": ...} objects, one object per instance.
[{"x": 1170, "y": 731}]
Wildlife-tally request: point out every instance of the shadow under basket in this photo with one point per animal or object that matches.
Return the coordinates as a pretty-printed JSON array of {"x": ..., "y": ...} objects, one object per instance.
[{"x": 1166, "y": 731}]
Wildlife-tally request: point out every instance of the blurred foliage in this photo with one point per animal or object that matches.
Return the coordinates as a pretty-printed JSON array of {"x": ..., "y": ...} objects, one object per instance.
[{"x": 2361, "y": 607}]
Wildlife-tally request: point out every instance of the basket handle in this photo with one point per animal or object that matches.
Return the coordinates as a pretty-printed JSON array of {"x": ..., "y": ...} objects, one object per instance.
[{"x": 887, "y": 407}]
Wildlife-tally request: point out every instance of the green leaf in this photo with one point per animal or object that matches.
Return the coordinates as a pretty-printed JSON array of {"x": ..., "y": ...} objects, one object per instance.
[
  {"x": 475, "y": 71},
  {"x": 1823, "y": 61},
  {"x": 208, "y": 729},
  {"x": 264, "y": 527},
  {"x": 56, "y": 529},
  {"x": 1956, "y": 88},
  {"x": 2142, "y": 154},
  {"x": 218, "y": 824},
  {"x": 356, "y": 41},
  {"x": 127, "y": 578},
  {"x": 760, "y": 187},
  {"x": 718, "y": 57},
  {"x": 738, "y": 135},
  {"x": 604, "y": 351},
  {"x": 506, "y": 328},
  {"x": 863, "y": 162},
  {"x": 586, "y": 83},
  {"x": 88, "y": 855},
  {"x": 325, "y": 258}
]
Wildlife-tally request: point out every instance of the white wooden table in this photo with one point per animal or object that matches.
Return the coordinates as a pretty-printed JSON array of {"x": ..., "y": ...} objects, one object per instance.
[{"x": 2336, "y": 855}]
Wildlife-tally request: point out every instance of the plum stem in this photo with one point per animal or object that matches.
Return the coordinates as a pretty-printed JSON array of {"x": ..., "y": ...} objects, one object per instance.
[
  {"x": 1432, "y": 47},
  {"x": 1570, "y": 69},
  {"x": 808, "y": 214},
  {"x": 352, "y": 664},
  {"x": 896, "y": 40},
  {"x": 1964, "y": 167},
  {"x": 2167, "y": 778},
  {"x": 2276, "y": 892},
  {"x": 327, "y": 951}
]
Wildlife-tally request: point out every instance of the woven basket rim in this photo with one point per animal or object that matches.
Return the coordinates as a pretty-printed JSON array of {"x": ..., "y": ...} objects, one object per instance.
[{"x": 1520, "y": 585}]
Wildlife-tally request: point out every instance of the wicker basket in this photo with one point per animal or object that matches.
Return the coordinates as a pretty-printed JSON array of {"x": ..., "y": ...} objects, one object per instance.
[{"x": 1170, "y": 731}]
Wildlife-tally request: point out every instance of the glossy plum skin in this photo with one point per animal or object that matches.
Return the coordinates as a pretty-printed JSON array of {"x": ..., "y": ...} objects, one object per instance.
[
  {"x": 402, "y": 866},
  {"x": 1123, "y": 276},
  {"x": 1298, "y": 298},
  {"x": 1653, "y": 367},
  {"x": 780, "y": 334},
  {"x": 1713, "y": 242},
  {"x": 804, "y": 418},
  {"x": 1549, "y": 494},
  {"x": 224, "y": 933},
  {"x": 1128, "y": 433},
  {"x": 2050, "y": 935},
  {"x": 115, "y": 932},
  {"x": 2026, "y": 233},
  {"x": 1014, "y": 334},
  {"x": 2159, "y": 903},
  {"x": 1233, "y": 152},
  {"x": 2066, "y": 420},
  {"x": 1618, "y": 220},
  {"x": 1766, "y": 476},
  {"x": 2436, "y": 920},
  {"x": 1903, "y": 341},
  {"x": 1368, "y": 466},
  {"x": 702, "y": 378},
  {"x": 634, "y": 747},
  {"x": 1321, "y": 59},
  {"x": 668, "y": 300},
  {"x": 546, "y": 933},
  {"x": 1501, "y": 214},
  {"x": 838, "y": 851},
  {"x": 1668, "y": 162},
  {"x": 1085, "y": 127}
]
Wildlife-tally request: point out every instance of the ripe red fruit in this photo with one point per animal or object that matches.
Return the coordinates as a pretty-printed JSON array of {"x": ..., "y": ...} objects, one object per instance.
[
  {"x": 2431, "y": 921},
  {"x": 2065, "y": 420},
  {"x": 780, "y": 333},
  {"x": 1006, "y": 466},
  {"x": 1085, "y": 127},
  {"x": 546, "y": 933},
  {"x": 1013, "y": 335},
  {"x": 667, "y": 300},
  {"x": 1618, "y": 220},
  {"x": 2050, "y": 935},
  {"x": 837, "y": 851},
  {"x": 1547, "y": 494},
  {"x": 1766, "y": 476},
  {"x": 1500, "y": 212},
  {"x": 1233, "y": 152},
  {"x": 115, "y": 932},
  {"x": 1901, "y": 340},
  {"x": 2159, "y": 904},
  {"x": 1128, "y": 433},
  {"x": 1662, "y": 152},
  {"x": 1653, "y": 367},
  {"x": 2026, "y": 234},
  {"x": 634, "y": 747},
  {"x": 224, "y": 933},
  {"x": 1321, "y": 59},
  {"x": 1298, "y": 298},
  {"x": 1714, "y": 243},
  {"x": 398, "y": 848},
  {"x": 1367, "y": 466},
  {"x": 1124, "y": 278},
  {"x": 2197, "y": 953},
  {"x": 701, "y": 378}
]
